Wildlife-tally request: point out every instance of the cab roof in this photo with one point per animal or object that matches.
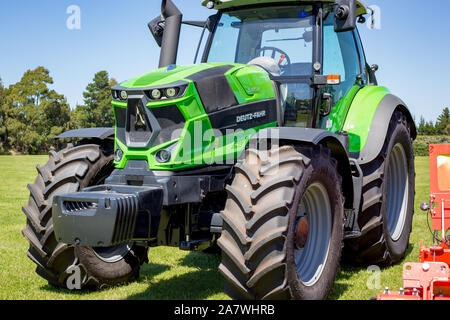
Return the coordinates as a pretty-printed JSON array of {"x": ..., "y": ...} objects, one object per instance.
[{"x": 225, "y": 4}]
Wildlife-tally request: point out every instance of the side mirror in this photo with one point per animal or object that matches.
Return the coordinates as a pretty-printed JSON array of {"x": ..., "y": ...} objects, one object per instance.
[
  {"x": 156, "y": 27},
  {"x": 344, "y": 15}
]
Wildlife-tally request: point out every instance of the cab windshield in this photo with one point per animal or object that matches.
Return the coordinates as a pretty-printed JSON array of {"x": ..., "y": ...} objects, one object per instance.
[{"x": 284, "y": 35}]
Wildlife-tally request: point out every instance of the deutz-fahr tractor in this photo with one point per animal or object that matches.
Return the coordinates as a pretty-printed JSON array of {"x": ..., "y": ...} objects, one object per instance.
[{"x": 279, "y": 148}]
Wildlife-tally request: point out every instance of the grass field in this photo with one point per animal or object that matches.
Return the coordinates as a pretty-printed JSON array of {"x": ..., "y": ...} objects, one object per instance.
[{"x": 171, "y": 274}]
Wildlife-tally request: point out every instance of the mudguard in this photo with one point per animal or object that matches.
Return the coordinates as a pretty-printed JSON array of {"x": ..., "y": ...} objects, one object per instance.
[
  {"x": 368, "y": 134},
  {"x": 96, "y": 133},
  {"x": 336, "y": 143}
]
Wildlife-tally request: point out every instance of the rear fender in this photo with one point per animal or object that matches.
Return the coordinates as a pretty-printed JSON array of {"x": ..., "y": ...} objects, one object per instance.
[{"x": 368, "y": 121}]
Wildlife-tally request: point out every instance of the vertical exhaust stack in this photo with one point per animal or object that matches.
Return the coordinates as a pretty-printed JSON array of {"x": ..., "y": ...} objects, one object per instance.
[{"x": 173, "y": 18}]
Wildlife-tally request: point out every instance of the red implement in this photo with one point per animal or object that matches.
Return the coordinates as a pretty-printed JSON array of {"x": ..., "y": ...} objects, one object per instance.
[{"x": 430, "y": 279}]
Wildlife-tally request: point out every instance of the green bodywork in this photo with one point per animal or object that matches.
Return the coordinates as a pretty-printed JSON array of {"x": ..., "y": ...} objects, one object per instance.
[
  {"x": 354, "y": 114},
  {"x": 197, "y": 145}
]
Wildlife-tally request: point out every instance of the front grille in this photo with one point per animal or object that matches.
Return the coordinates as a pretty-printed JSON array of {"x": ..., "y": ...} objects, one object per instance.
[
  {"x": 135, "y": 127},
  {"x": 75, "y": 206},
  {"x": 138, "y": 125}
]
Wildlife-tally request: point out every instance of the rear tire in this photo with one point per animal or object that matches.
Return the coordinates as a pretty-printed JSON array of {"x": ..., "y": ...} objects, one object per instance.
[
  {"x": 67, "y": 171},
  {"x": 388, "y": 200},
  {"x": 260, "y": 259}
]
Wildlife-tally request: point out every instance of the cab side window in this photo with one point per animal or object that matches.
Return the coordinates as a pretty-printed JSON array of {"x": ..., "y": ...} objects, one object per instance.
[{"x": 340, "y": 58}]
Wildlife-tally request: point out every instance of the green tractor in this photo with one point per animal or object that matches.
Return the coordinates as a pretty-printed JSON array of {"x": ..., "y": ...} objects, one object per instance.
[{"x": 279, "y": 148}]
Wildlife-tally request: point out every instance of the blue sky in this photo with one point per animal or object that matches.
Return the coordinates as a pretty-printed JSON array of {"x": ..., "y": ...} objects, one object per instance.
[{"x": 412, "y": 48}]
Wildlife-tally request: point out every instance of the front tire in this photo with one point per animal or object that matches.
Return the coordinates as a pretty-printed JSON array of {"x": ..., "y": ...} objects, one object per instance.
[
  {"x": 68, "y": 171},
  {"x": 262, "y": 257}
]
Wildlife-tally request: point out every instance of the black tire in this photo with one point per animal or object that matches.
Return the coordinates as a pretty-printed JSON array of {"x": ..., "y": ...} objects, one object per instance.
[
  {"x": 260, "y": 218},
  {"x": 67, "y": 171},
  {"x": 379, "y": 243}
]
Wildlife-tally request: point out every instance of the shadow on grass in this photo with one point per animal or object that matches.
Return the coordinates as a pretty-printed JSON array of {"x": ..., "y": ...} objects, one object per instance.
[
  {"x": 148, "y": 271},
  {"x": 195, "y": 285}
]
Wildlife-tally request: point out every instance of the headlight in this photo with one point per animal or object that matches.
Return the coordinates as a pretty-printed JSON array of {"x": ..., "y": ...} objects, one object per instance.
[
  {"x": 163, "y": 156},
  {"x": 124, "y": 95},
  {"x": 118, "y": 155},
  {"x": 171, "y": 93},
  {"x": 156, "y": 94},
  {"x": 114, "y": 94}
]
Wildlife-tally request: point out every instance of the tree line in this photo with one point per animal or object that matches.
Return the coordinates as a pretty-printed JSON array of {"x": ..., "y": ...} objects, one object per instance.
[
  {"x": 438, "y": 128},
  {"x": 32, "y": 114}
]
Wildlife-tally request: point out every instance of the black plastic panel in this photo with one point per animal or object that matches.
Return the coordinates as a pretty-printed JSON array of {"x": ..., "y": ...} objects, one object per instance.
[
  {"x": 214, "y": 89},
  {"x": 245, "y": 116},
  {"x": 171, "y": 122}
]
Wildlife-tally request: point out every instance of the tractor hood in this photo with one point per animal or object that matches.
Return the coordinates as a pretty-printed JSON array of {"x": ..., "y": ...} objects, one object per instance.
[
  {"x": 168, "y": 75},
  {"x": 230, "y": 99}
]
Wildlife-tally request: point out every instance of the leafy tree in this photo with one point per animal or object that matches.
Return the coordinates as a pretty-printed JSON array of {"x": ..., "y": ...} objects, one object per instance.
[
  {"x": 97, "y": 110},
  {"x": 38, "y": 113},
  {"x": 3, "y": 118}
]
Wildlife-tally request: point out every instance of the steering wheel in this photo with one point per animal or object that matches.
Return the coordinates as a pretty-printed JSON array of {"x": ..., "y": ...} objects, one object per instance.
[{"x": 274, "y": 50}]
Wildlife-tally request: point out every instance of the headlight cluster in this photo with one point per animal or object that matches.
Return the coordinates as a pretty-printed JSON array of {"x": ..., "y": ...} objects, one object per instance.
[
  {"x": 156, "y": 94},
  {"x": 166, "y": 93},
  {"x": 119, "y": 95}
]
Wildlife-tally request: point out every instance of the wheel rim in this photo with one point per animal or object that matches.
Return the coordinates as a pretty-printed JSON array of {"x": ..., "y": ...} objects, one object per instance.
[
  {"x": 112, "y": 254},
  {"x": 397, "y": 192},
  {"x": 311, "y": 259}
]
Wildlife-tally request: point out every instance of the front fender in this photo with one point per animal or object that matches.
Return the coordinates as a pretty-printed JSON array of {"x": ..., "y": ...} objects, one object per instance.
[
  {"x": 92, "y": 133},
  {"x": 336, "y": 143}
]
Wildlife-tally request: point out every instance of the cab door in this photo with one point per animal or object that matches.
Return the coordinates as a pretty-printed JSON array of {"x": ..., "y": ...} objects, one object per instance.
[{"x": 342, "y": 55}]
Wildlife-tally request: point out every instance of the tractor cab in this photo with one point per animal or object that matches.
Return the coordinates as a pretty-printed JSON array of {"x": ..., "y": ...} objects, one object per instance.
[{"x": 293, "y": 43}]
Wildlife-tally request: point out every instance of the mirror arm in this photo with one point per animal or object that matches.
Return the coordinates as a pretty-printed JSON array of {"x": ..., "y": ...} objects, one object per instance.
[{"x": 199, "y": 24}]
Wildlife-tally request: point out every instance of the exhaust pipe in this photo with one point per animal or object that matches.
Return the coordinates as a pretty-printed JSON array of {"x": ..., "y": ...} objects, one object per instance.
[{"x": 173, "y": 18}]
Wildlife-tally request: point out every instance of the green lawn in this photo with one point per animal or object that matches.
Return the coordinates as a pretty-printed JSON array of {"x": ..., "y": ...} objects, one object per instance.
[{"x": 171, "y": 274}]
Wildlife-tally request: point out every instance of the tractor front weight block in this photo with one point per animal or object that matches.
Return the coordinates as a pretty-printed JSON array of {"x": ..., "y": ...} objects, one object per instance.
[{"x": 107, "y": 215}]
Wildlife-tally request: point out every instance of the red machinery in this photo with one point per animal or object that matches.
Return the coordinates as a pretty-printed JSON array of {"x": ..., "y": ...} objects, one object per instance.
[{"x": 430, "y": 279}]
